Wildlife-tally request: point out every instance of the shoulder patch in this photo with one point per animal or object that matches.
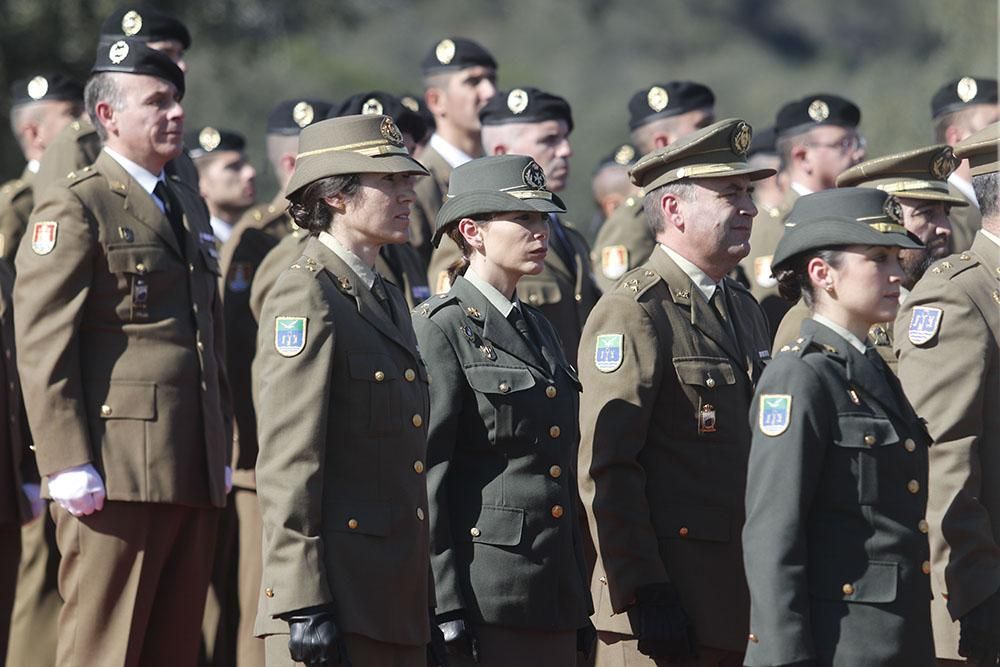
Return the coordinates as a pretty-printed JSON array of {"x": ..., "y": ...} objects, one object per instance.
[
  {"x": 774, "y": 414},
  {"x": 608, "y": 352},
  {"x": 924, "y": 324},
  {"x": 290, "y": 335},
  {"x": 43, "y": 236},
  {"x": 240, "y": 275},
  {"x": 614, "y": 261}
]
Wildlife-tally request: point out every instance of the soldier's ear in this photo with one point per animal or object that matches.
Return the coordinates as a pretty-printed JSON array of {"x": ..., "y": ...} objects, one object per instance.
[
  {"x": 435, "y": 98},
  {"x": 106, "y": 116},
  {"x": 472, "y": 232}
]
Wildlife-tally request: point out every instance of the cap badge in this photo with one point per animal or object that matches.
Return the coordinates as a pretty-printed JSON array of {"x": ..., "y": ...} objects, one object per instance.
[
  {"x": 517, "y": 101},
  {"x": 445, "y": 51},
  {"x": 390, "y": 132},
  {"x": 372, "y": 106},
  {"x": 37, "y": 87},
  {"x": 302, "y": 114},
  {"x": 533, "y": 176},
  {"x": 740, "y": 141},
  {"x": 893, "y": 210},
  {"x": 967, "y": 89},
  {"x": 118, "y": 52},
  {"x": 624, "y": 154},
  {"x": 209, "y": 138},
  {"x": 131, "y": 23},
  {"x": 943, "y": 164},
  {"x": 819, "y": 111},
  {"x": 657, "y": 98},
  {"x": 410, "y": 103}
]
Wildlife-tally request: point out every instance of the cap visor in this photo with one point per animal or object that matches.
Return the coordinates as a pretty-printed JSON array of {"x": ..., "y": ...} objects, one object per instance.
[{"x": 471, "y": 204}]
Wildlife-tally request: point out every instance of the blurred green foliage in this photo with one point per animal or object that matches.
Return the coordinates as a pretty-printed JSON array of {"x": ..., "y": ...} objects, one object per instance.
[{"x": 889, "y": 56}]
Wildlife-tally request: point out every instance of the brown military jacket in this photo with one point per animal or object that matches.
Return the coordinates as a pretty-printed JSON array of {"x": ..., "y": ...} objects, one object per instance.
[
  {"x": 16, "y": 202},
  {"x": 14, "y": 440},
  {"x": 965, "y": 222},
  {"x": 624, "y": 242},
  {"x": 664, "y": 446},
  {"x": 430, "y": 195},
  {"x": 787, "y": 336},
  {"x": 119, "y": 339},
  {"x": 947, "y": 335},
  {"x": 343, "y": 405},
  {"x": 767, "y": 229}
]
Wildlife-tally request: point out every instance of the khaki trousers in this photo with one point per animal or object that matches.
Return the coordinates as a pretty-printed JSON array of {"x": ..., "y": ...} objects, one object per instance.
[
  {"x": 249, "y": 649},
  {"x": 361, "y": 651},
  {"x": 615, "y": 650},
  {"x": 34, "y": 624},
  {"x": 134, "y": 578},
  {"x": 10, "y": 556}
]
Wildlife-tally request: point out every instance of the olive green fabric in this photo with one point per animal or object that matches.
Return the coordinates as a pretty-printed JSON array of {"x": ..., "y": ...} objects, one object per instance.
[
  {"x": 624, "y": 242},
  {"x": 430, "y": 194},
  {"x": 981, "y": 150},
  {"x": 16, "y": 202},
  {"x": 921, "y": 173},
  {"x": 787, "y": 337}
]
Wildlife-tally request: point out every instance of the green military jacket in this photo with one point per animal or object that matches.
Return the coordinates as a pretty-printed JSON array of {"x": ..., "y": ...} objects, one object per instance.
[
  {"x": 430, "y": 193},
  {"x": 501, "y": 454},
  {"x": 624, "y": 242},
  {"x": 342, "y": 425},
  {"x": 836, "y": 556},
  {"x": 787, "y": 336},
  {"x": 767, "y": 229},
  {"x": 16, "y": 202},
  {"x": 664, "y": 446},
  {"x": 965, "y": 222}
]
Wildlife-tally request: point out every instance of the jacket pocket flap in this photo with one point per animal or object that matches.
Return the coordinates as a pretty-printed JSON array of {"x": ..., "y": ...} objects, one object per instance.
[
  {"x": 499, "y": 379},
  {"x": 705, "y": 371},
  {"x": 367, "y": 517},
  {"x": 689, "y": 522},
  {"x": 500, "y": 526},
  {"x": 210, "y": 257},
  {"x": 372, "y": 367},
  {"x": 138, "y": 259},
  {"x": 864, "y": 431},
  {"x": 128, "y": 400},
  {"x": 538, "y": 293},
  {"x": 876, "y": 584}
]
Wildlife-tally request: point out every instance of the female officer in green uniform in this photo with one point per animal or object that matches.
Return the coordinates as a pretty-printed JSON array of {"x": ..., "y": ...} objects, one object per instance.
[
  {"x": 835, "y": 540},
  {"x": 503, "y": 432}
]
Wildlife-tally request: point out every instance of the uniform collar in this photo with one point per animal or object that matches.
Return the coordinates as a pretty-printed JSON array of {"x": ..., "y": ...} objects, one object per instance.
[
  {"x": 222, "y": 229},
  {"x": 991, "y": 236},
  {"x": 491, "y": 293},
  {"x": 855, "y": 342},
  {"x": 965, "y": 188},
  {"x": 800, "y": 189},
  {"x": 366, "y": 273},
  {"x": 142, "y": 176},
  {"x": 701, "y": 280},
  {"x": 33, "y": 166},
  {"x": 455, "y": 157}
]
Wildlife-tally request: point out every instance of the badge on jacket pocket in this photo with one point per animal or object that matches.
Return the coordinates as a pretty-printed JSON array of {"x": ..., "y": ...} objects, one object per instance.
[
  {"x": 289, "y": 335},
  {"x": 775, "y": 413}
]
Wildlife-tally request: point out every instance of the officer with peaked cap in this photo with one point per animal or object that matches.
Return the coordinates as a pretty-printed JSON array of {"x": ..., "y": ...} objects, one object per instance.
[
  {"x": 961, "y": 108},
  {"x": 459, "y": 79},
  {"x": 836, "y": 560},
  {"x": 917, "y": 180},
  {"x": 669, "y": 360},
  {"x": 226, "y": 179},
  {"x": 816, "y": 138},
  {"x": 658, "y": 116},
  {"x": 610, "y": 183},
  {"x": 949, "y": 364},
  {"x": 120, "y": 322},
  {"x": 340, "y": 467}
]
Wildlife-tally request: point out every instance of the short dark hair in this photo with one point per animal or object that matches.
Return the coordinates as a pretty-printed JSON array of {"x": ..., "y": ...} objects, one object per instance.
[
  {"x": 308, "y": 208},
  {"x": 987, "y": 187}
]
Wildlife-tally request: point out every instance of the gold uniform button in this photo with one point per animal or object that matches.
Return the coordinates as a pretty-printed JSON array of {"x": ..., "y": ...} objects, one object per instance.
[
  {"x": 191, "y": 268},
  {"x": 869, "y": 439},
  {"x": 909, "y": 445},
  {"x": 925, "y": 567},
  {"x": 504, "y": 388},
  {"x": 923, "y": 526},
  {"x": 379, "y": 376},
  {"x": 913, "y": 486},
  {"x": 269, "y": 592},
  {"x": 418, "y": 467},
  {"x": 710, "y": 383},
  {"x": 683, "y": 531},
  {"x": 475, "y": 532},
  {"x": 409, "y": 375},
  {"x": 105, "y": 410},
  {"x": 555, "y": 472},
  {"x": 554, "y": 432},
  {"x": 557, "y": 511},
  {"x": 753, "y": 638},
  {"x": 418, "y": 421},
  {"x": 420, "y": 513},
  {"x": 140, "y": 268},
  {"x": 352, "y": 523},
  {"x": 579, "y": 298},
  {"x": 847, "y": 589},
  {"x": 200, "y": 346},
  {"x": 550, "y": 391}
]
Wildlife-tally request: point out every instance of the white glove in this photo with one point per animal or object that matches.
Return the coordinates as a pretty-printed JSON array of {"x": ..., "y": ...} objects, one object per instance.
[
  {"x": 229, "y": 479},
  {"x": 78, "y": 490},
  {"x": 33, "y": 492}
]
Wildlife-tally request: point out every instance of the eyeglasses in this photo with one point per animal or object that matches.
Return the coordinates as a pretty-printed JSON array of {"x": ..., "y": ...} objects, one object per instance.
[{"x": 849, "y": 144}]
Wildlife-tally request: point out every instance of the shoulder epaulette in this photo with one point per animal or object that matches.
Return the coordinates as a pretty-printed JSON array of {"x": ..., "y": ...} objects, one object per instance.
[
  {"x": 12, "y": 189},
  {"x": 803, "y": 345},
  {"x": 638, "y": 281},
  {"x": 307, "y": 263},
  {"x": 80, "y": 175},
  {"x": 434, "y": 304}
]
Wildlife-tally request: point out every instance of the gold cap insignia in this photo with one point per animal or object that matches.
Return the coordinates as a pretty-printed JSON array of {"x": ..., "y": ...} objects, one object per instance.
[
  {"x": 131, "y": 23},
  {"x": 37, "y": 87},
  {"x": 209, "y": 138},
  {"x": 390, "y": 132},
  {"x": 657, "y": 98},
  {"x": 943, "y": 164},
  {"x": 410, "y": 103},
  {"x": 533, "y": 176},
  {"x": 740, "y": 141},
  {"x": 445, "y": 51},
  {"x": 118, "y": 52},
  {"x": 517, "y": 100},
  {"x": 624, "y": 154},
  {"x": 372, "y": 106},
  {"x": 893, "y": 210},
  {"x": 819, "y": 111},
  {"x": 302, "y": 114},
  {"x": 967, "y": 89}
]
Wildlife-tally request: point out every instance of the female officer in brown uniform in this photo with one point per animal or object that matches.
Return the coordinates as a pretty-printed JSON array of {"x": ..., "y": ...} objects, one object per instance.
[
  {"x": 835, "y": 540},
  {"x": 342, "y": 405},
  {"x": 503, "y": 432}
]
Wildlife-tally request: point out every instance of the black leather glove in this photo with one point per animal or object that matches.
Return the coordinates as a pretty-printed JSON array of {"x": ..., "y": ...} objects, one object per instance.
[
  {"x": 661, "y": 624},
  {"x": 979, "y": 638},
  {"x": 314, "y": 638},
  {"x": 586, "y": 637},
  {"x": 459, "y": 637},
  {"x": 437, "y": 654}
]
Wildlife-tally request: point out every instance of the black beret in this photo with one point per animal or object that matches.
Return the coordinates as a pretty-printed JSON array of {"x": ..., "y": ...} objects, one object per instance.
[
  {"x": 145, "y": 24},
  {"x": 378, "y": 102},
  {"x": 623, "y": 156},
  {"x": 134, "y": 57},
  {"x": 416, "y": 104},
  {"x": 45, "y": 87},
  {"x": 815, "y": 110},
  {"x": 208, "y": 139},
  {"x": 960, "y": 93},
  {"x": 763, "y": 142},
  {"x": 525, "y": 105},
  {"x": 456, "y": 53},
  {"x": 662, "y": 100},
  {"x": 289, "y": 117}
]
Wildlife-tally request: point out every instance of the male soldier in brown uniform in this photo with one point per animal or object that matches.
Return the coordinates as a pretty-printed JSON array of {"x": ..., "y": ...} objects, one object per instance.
[
  {"x": 226, "y": 179},
  {"x": 958, "y": 109},
  {"x": 668, "y": 362},
  {"x": 947, "y": 336},
  {"x": 659, "y": 115},
  {"x": 528, "y": 121},
  {"x": 611, "y": 185},
  {"x": 119, "y": 331},
  {"x": 42, "y": 105},
  {"x": 459, "y": 79}
]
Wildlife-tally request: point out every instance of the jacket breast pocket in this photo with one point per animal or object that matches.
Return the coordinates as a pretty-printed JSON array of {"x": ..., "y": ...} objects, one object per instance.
[
  {"x": 539, "y": 293},
  {"x": 146, "y": 276},
  {"x": 118, "y": 415},
  {"x": 505, "y": 401},
  {"x": 708, "y": 382},
  {"x": 375, "y": 394},
  {"x": 496, "y": 525},
  {"x": 869, "y": 581},
  {"x": 860, "y": 458}
]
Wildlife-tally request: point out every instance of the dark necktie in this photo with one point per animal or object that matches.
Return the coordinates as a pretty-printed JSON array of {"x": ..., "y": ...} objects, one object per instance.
[
  {"x": 560, "y": 244},
  {"x": 172, "y": 209},
  {"x": 516, "y": 317},
  {"x": 382, "y": 296}
]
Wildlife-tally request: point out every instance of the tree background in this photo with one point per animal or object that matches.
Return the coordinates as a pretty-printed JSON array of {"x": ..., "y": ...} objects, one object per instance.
[{"x": 888, "y": 56}]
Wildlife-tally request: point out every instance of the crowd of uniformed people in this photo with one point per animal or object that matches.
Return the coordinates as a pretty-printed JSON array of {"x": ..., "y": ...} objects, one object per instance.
[{"x": 404, "y": 414}]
